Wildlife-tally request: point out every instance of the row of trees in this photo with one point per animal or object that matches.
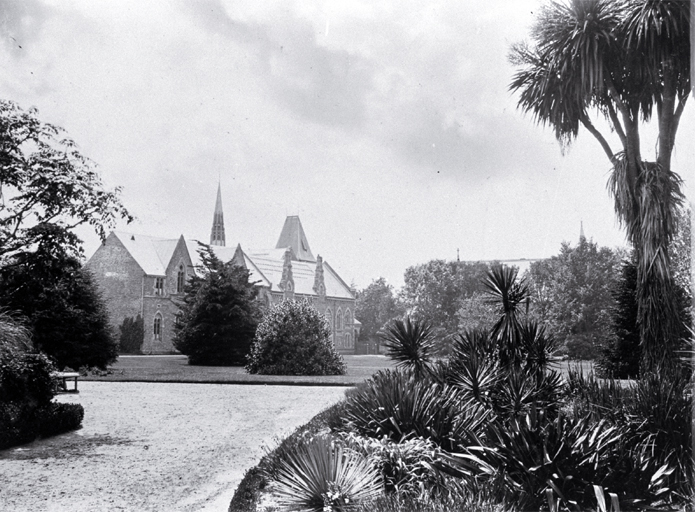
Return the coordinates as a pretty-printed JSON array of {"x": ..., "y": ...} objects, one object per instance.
[{"x": 585, "y": 295}]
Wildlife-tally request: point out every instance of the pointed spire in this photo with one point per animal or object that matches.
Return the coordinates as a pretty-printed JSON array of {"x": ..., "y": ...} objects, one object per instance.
[
  {"x": 293, "y": 236},
  {"x": 319, "y": 282},
  {"x": 581, "y": 231},
  {"x": 217, "y": 234},
  {"x": 287, "y": 280}
]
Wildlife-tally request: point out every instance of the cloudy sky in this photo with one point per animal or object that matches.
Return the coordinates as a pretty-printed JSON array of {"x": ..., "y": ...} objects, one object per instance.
[{"x": 387, "y": 127}]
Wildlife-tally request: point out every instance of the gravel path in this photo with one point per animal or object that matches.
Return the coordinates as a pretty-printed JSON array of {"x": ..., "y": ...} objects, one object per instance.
[{"x": 159, "y": 447}]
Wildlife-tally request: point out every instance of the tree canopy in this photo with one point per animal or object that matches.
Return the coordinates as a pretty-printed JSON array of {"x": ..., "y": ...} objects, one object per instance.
[
  {"x": 572, "y": 294},
  {"x": 376, "y": 305},
  {"x": 434, "y": 291},
  {"x": 625, "y": 61},
  {"x": 47, "y": 187},
  {"x": 219, "y": 313},
  {"x": 62, "y": 306}
]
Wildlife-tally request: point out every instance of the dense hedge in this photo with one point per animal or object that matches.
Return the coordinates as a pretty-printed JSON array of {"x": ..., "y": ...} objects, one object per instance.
[{"x": 27, "y": 390}]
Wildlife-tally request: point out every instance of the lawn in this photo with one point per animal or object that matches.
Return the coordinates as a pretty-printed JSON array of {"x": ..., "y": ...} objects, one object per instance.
[{"x": 175, "y": 368}]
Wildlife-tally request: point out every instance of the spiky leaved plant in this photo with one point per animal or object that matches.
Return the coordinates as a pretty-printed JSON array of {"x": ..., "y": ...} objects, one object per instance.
[
  {"x": 321, "y": 476},
  {"x": 410, "y": 343}
]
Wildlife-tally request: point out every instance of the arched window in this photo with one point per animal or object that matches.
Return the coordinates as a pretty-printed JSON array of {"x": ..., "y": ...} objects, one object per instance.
[
  {"x": 181, "y": 279},
  {"x": 157, "y": 328},
  {"x": 348, "y": 339},
  {"x": 339, "y": 320},
  {"x": 329, "y": 317},
  {"x": 348, "y": 319}
]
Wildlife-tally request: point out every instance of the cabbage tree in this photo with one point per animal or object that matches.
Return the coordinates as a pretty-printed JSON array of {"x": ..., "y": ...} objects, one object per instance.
[{"x": 627, "y": 62}]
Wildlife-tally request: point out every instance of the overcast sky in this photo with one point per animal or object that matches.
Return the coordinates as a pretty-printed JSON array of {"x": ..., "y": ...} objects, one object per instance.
[{"x": 387, "y": 127}]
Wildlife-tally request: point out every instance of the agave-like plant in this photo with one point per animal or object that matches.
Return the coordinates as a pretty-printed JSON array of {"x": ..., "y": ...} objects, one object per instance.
[
  {"x": 321, "y": 476},
  {"x": 410, "y": 342},
  {"x": 510, "y": 295}
]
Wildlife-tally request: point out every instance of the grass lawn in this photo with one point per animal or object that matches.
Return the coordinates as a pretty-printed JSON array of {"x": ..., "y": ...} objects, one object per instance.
[{"x": 175, "y": 368}]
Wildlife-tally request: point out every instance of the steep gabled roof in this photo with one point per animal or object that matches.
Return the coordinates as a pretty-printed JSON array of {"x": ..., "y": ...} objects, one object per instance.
[
  {"x": 151, "y": 253},
  {"x": 293, "y": 236}
]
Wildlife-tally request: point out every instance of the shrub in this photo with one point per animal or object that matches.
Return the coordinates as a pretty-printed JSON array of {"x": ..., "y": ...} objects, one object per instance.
[
  {"x": 26, "y": 391},
  {"x": 399, "y": 405},
  {"x": 294, "y": 339},
  {"x": 132, "y": 334},
  {"x": 57, "y": 418},
  {"x": 321, "y": 476}
]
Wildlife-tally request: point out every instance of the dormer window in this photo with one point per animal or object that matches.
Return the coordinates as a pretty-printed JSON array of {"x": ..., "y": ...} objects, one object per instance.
[{"x": 159, "y": 286}]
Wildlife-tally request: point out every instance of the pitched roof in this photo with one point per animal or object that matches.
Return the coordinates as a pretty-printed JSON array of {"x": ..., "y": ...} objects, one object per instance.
[
  {"x": 293, "y": 236},
  {"x": 151, "y": 253}
]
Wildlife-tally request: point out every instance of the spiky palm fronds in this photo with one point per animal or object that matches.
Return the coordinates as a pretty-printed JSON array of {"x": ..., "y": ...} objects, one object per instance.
[
  {"x": 410, "y": 343},
  {"x": 510, "y": 295},
  {"x": 320, "y": 475}
]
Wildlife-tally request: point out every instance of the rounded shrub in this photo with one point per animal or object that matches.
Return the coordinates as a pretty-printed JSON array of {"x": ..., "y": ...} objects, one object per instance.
[{"x": 294, "y": 339}]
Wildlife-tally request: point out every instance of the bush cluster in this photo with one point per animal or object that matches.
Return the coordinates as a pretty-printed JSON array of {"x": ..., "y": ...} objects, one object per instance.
[
  {"x": 293, "y": 338},
  {"x": 493, "y": 427},
  {"x": 27, "y": 390}
]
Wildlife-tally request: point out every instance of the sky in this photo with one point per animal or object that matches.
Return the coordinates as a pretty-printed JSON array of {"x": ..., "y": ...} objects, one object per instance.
[{"x": 387, "y": 126}]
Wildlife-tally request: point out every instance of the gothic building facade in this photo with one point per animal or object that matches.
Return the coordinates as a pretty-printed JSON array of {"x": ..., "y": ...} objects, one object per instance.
[{"x": 143, "y": 277}]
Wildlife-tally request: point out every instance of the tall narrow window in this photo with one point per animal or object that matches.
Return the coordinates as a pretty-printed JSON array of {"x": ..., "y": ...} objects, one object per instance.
[
  {"x": 329, "y": 317},
  {"x": 339, "y": 320},
  {"x": 159, "y": 286},
  {"x": 180, "y": 279},
  {"x": 348, "y": 319},
  {"x": 157, "y": 328}
]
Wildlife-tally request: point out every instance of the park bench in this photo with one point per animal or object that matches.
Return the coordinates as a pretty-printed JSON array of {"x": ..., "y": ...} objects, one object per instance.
[{"x": 61, "y": 379}]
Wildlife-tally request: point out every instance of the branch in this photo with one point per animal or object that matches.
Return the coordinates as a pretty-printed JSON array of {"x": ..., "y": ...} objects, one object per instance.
[
  {"x": 600, "y": 138},
  {"x": 616, "y": 124}
]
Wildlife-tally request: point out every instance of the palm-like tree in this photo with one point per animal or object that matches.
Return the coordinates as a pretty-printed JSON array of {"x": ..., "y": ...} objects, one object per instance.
[
  {"x": 621, "y": 59},
  {"x": 410, "y": 343}
]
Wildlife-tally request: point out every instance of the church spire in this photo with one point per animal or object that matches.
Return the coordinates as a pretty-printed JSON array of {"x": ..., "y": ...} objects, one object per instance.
[
  {"x": 217, "y": 234},
  {"x": 581, "y": 231}
]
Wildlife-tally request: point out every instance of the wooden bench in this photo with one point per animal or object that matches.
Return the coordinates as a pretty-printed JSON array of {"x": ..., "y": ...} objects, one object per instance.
[{"x": 62, "y": 378}]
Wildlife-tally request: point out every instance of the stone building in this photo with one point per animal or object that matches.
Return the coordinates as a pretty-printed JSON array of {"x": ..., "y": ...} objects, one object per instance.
[{"x": 144, "y": 276}]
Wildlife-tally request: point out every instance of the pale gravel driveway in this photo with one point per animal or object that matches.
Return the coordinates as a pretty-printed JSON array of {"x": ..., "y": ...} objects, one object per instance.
[{"x": 153, "y": 446}]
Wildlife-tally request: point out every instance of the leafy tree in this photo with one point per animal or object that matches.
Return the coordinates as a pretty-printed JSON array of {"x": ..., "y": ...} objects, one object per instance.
[
  {"x": 476, "y": 313},
  {"x": 47, "y": 187},
  {"x": 622, "y": 60},
  {"x": 219, "y": 313},
  {"x": 434, "y": 291},
  {"x": 294, "y": 339},
  {"x": 64, "y": 310},
  {"x": 573, "y": 295},
  {"x": 132, "y": 334},
  {"x": 376, "y": 305}
]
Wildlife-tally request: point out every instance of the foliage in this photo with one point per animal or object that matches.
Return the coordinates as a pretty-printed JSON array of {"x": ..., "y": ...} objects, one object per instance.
[
  {"x": 321, "y": 476},
  {"x": 621, "y": 356},
  {"x": 132, "y": 335},
  {"x": 476, "y": 313},
  {"x": 294, "y": 339},
  {"x": 620, "y": 59},
  {"x": 434, "y": 291},
  {"x": 26, "y": 390},
  {"x": 572, "y": 295},
  {"x": 219, "y": 313},
  {"x": 410, "y": 343},
  {"x": 48, "y": 187},
  {"x": 63, "y": 307},
  {"x": 376, "y": 305},
  {"x": 399, "y": 405}
]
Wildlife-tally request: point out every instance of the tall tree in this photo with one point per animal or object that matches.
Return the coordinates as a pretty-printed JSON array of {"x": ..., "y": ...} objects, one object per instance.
[
  {"x": 434, "y": 291},
  {"x": 219, "y": 313},
  {"x": 376, "y": 305},
  {"x": 623, "y": 60},
  {"x": 62, "y": 307},
  {"x": 47, "y": 187},
  {"x": 572, "y": 294}
]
